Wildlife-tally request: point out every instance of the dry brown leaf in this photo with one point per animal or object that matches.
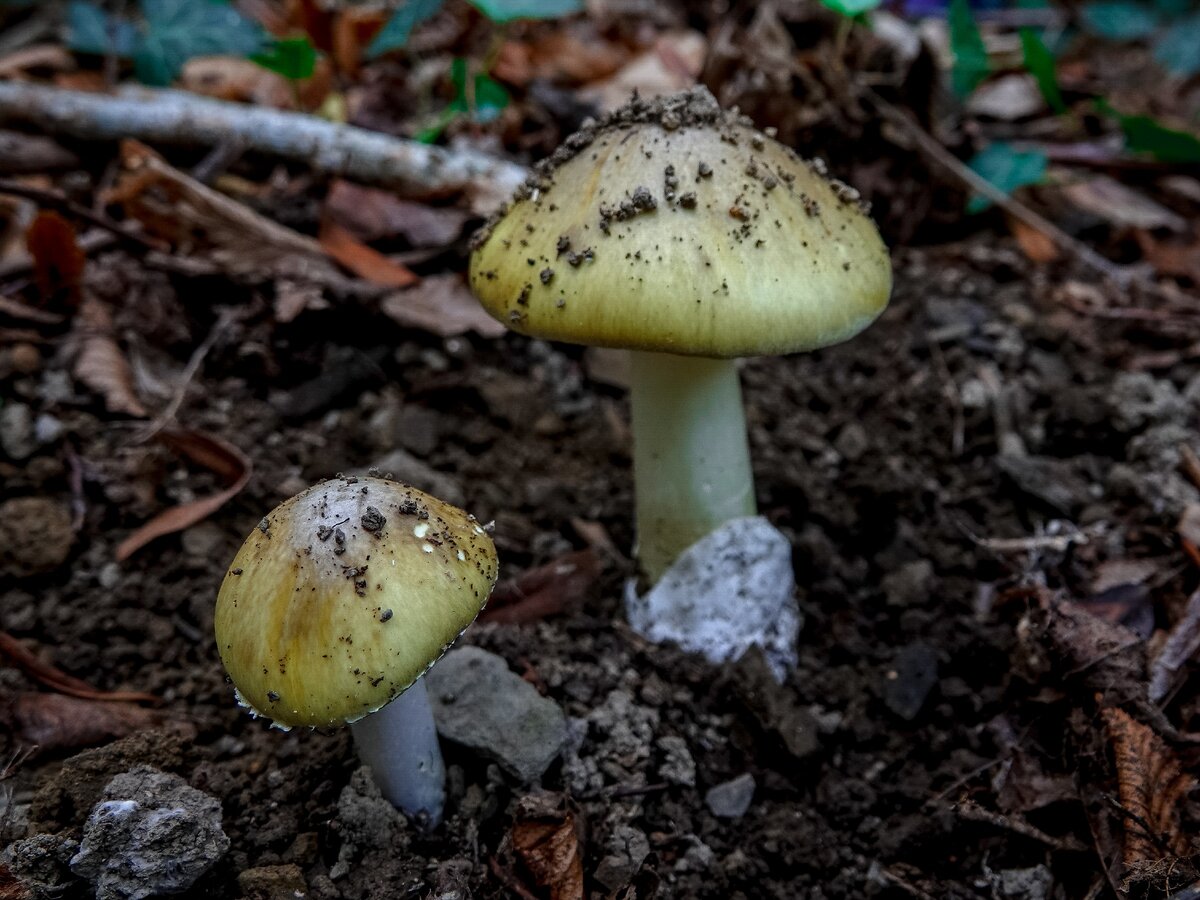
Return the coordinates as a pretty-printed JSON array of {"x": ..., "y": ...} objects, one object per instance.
[
  {"x": 1171, "y": 257},
  {"x": 353, "y": 30},
  {"x": 1179, "y": 648},
  {"x": 174, "y": 206},
  {"x": 217, "y": 455},
  {"x": 238, "y": 79},
  {"x": 58, "y": 262},
  {"x": 442, "y": 305},
  {"x": 53, "y": 677},
  {"x": 59, "y": 722},
  {"x": 100, "y": 364},
  {"x": 363, "y": 260},
  {"x": 544, "y": 591},
  {"x": 52, "y": 57},
  {"x": 1036, "y": 245},
  {"x": 674, "y": 63},
  {"x": 11, "y": 887},
  {"x": 1121, "y": 206},
  {"x": 371, "y": 214},
  {"x": 1152, "y": 788},
  {"x": 547, "y": 843}
]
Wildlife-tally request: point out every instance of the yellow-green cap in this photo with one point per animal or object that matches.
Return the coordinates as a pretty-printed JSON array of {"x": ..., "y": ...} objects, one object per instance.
[
  {"x": 345, "y": 595},
  {"x": 673, "y": 226}
]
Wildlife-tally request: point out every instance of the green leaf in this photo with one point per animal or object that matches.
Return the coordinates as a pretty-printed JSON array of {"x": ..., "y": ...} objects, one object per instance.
[
  {"x": 1119, "y": 20},
  {"x": 1040, "y": 64},
  {"x": 851, "y": 8},
  {"x": 490, "y": 97},
  {"x": 177, "y": 30},
  {"x": 1145, "y": 135},
  {"x": 970, "y": 56},
  {"x": 293, "y": 58},
  {"x": 1178, "y": 48},
  {"x": 501, "y": 11},
  {"x": 395, "y": 32},
  {"x": 1007, "y": 168},
  {"x": 92, "y": 30}
]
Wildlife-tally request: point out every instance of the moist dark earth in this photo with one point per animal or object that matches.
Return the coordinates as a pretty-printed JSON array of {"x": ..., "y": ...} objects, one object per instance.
[{"x": 976, "y": 469}]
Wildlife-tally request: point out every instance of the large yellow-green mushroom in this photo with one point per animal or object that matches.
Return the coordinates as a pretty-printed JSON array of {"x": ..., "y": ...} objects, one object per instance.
[
  {"x": 337, "y": 604},
  {"x": 678, "y": 231}
]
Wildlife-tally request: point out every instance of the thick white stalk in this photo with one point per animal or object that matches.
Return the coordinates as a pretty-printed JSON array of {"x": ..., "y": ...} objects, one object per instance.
[
  {"x": 400, "y": 744},
  {"x": 691, "y": 458}
]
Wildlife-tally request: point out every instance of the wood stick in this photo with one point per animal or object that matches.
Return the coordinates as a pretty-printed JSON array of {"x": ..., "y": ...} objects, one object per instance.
[{"x": 178, "y": 117}]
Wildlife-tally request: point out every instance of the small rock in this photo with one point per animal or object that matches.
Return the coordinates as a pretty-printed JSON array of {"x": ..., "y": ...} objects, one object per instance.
[
  {"x": 1034, "y": 883},
  {"x": 403, "y": 466},
  {"x": 910, "y": 679},
  {"x": 40, "y": 863},
  {"x": 366, "y": 822},
  {"x": 24, "y": 358},
  {"x": 35, "y": 536},
  {"x": 1137, "y": 399},
  {"x": 151, "y": 834},
  {"x": 203, "y": 540},
  {"x": 852, "y": 441},
  {"x": 774, "y": 706},
  {"x": 16, "y": 431},
  {"x": 731, "y": 799},
  {"x": 273, "y": 883},
  {"x": 732, "y": 590},
  {"x": 480, "y": 703},
  {"x": 1052, "y": 481},
  {"x": 47, "y": 429},
  {"x": 677, "y": 766},
  {"x": 698, "y": 857},
  {"x": 626, "y": 850},
  {"x": 910, "y": 584}
]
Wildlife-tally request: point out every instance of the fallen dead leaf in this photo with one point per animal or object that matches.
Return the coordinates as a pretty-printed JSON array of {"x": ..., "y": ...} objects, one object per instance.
[
  {"x": 441, "y": 305},
  {"x": 11, "y": 887},
  {"x": 363, "y": 260},
  {"x": 353, "y": 30},
  {"x": 56, "y": 679},
  {"x": 371, "y": 214},
  {"x": 1036, "y": 245},
  {"x": 100, "y": 364},
  {"x": 1180, "y": 647},
  {"x": 58, "y": 262},
  {"x": 1007, "y": 98},
  {"x": 59, "y": 722},
  {"x": 544, "y": 591},
  {"x": 51, "y": 57},
  {"x": 1121, "y": 206},
  {"x": 1181, "y": 259},
  {"x": 238, "y": 79},
  {"x": 674, "y": 63},
  {"x": 1152, "y": 788},
  {"x": 1189, "y": 523},
  {"x": 547, "y": 843},
  {"x": 213, "y": 453}
]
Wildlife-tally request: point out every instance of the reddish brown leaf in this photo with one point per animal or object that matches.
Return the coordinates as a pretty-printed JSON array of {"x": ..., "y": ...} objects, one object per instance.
[
  {"x": 58, "y": 680},
  {"x": 361, "y": 259},
  {"x": 544, "y": 591},
  {"x": 100, "y": 363},
  {"x": 441, "y": 305},
  {"x": 211, "y": 452},
  {"x": 57, "y": 260},
  {"x": 547, "y": 843},
  {"x": 1036, "y": 245},
  {"x": 371, "y": 214},
  {"x": 1152, "y": 788},
  {"x": 59, "y": 722}
]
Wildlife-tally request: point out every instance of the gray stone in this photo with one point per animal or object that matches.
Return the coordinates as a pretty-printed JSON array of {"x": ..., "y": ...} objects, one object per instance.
[
  {"x": 480, "y": 703},
  {"x": 731, "y": 799},
  {"x": 625, "y": 851},
  {"x": 150, "y": 834},
  {"x": 1138, "y": 399},
  {"x": 1034, "y": 883},
  {"x": 908, "y": 682},
  {"x": 852, "y": 441},
  {"x": 403, "y": 466},
  {"x": 366, "y": 822},
  {"x": 910, "y": 584},
  {"x": 16, "y": 431},
  {"x": 47, "y": 429},
  {"x": 677, "y": 766},
  {"x": 40, "y": 863}
]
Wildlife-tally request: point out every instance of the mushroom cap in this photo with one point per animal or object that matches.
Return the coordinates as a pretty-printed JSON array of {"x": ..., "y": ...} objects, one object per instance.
[
  {"x": 345, "y": 595},
  {"x": 673, "y": 226}
]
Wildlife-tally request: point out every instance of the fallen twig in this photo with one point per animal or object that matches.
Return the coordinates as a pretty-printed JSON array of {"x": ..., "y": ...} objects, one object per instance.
[
  {"x": 973, "y": 812},
  {"x": 58, "y": 680},
  {"x": 932, "y": 148},
  {"x": 177, "y": 117}
]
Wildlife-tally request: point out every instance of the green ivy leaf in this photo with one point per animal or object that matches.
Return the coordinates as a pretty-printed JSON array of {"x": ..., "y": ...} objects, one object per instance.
[
  {"x": 177, "y": 30},
  {"x": 852, "y": 8},
  {"x": 1007, "y": 168},
  {"x": 92, "y": 30},
  {"x": 1119, "y": 20},
  {"x": 1040, "y": 64},
  {"x": 490, "y": 97},
  {"x": 293, "y": 58},
  {"x": 1178, "y": 48},
  {"x": 971, "y": 64},
  {"x": 1146, "y": 135},
  {"x": 396, "y": 31},
  {"x": 501, "y": 11}
]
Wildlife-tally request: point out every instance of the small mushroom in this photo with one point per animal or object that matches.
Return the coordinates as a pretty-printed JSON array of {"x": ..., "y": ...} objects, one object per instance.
[
  {"x": 325, "y": 632},
  {"x": 759, "y": 253}
]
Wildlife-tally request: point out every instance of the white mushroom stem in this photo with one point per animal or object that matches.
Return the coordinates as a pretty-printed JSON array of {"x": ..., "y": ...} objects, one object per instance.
[
  {"x": 400, "y": 744},
  {"x": 691, "y": 458}
]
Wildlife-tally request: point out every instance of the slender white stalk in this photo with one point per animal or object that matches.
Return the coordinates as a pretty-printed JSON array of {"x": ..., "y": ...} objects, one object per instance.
[
  {"x": 400, "y": 744},
  {"x": 691, "y": 458}
]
